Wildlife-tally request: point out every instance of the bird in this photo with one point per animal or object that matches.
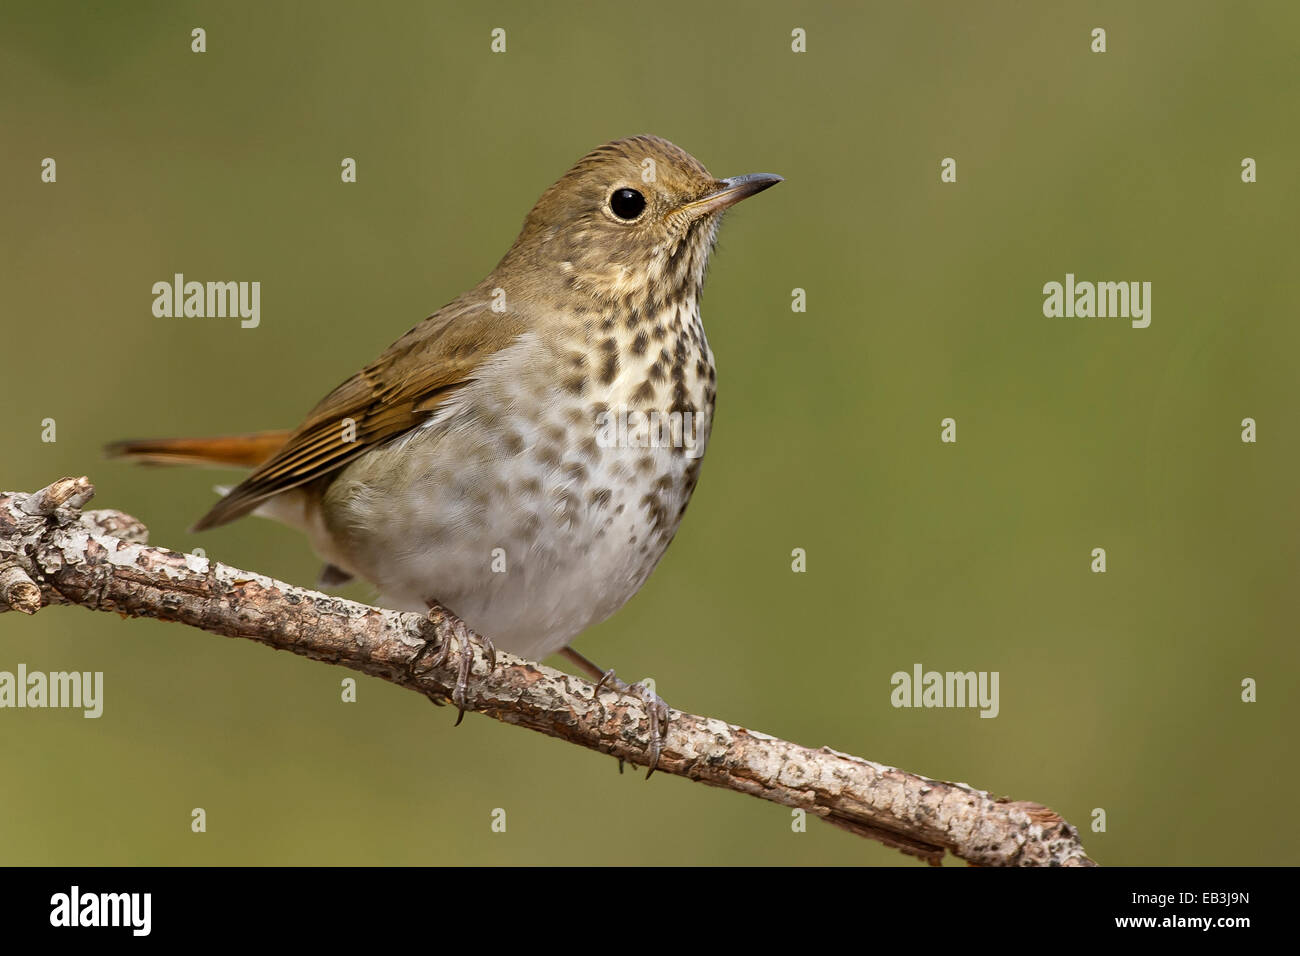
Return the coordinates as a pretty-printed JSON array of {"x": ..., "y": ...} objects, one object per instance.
[{"x": 518, "y": 462}]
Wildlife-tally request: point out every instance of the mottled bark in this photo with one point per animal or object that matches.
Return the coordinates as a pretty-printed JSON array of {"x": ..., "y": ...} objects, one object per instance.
[{"x": 51, "y": 552}]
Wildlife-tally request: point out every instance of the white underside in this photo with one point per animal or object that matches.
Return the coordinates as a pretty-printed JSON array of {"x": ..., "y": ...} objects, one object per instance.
[{"x": 513, "y": 545}]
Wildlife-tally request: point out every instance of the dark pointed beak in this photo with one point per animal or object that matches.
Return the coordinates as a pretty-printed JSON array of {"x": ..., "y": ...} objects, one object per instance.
[{"x": 732, "y": 191}]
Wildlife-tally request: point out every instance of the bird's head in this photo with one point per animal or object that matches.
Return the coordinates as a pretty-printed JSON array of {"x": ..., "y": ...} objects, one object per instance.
[{"x": 633, "y": 221}]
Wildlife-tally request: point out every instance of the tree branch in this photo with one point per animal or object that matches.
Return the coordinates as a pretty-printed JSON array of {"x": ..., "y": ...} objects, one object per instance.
[{"x": 53, "y": 553}]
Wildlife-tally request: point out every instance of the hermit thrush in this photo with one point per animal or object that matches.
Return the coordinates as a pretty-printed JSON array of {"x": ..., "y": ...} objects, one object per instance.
[{"x": 523, "y": 456}]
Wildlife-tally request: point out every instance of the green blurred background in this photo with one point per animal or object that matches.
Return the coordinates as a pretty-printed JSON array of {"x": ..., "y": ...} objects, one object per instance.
[{"x": 1119, "y": 691}]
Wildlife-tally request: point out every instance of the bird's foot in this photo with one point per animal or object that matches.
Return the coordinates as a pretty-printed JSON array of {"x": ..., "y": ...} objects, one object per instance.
[
  {"x": 453, "y": 627},
  {"x": 656, "y": 709}
]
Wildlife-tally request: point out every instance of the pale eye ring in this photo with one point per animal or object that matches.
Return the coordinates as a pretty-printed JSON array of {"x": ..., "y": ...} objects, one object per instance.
[{"x": 626, "y": 203}]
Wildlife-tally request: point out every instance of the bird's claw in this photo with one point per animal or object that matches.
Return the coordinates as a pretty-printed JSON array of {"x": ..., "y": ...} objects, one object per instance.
[
  {"x": 465, "y": 639},
  {"x": 656, "y": 711}
]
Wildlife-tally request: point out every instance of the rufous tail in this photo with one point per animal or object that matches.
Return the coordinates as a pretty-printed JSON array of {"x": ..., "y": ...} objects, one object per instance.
[{"x": 242, "y": 451}]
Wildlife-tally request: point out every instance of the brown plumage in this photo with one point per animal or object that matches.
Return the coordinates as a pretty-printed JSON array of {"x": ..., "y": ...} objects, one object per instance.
[
  {"x": 475, "y": 433},
  {"x": 391, "y": 395}
]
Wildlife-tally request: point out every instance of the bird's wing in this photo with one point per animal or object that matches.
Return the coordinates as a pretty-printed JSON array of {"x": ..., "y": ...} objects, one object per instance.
[{"x": 391, "y": 395}]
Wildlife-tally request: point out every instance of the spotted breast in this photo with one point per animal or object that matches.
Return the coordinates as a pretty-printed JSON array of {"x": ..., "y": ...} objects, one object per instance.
[{"x": 540, "y": 498}]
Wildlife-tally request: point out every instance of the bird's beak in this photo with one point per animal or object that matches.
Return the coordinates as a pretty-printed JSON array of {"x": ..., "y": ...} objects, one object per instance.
[{"x": 732, "y": 191}]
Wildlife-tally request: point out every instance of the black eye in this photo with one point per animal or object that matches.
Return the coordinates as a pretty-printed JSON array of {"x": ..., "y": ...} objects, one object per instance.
[{"x": 627, "y": 203}]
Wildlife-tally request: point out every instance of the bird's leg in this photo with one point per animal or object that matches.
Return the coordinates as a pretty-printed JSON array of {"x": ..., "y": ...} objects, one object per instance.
[
  {"x": 655, "y": 707},
  {"x": 594, "y": 672},
  {"x": 454, "y": 626}
]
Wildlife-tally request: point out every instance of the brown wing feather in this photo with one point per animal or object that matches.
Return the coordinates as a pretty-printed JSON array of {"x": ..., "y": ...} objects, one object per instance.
[{"x": 393, "y": 394}]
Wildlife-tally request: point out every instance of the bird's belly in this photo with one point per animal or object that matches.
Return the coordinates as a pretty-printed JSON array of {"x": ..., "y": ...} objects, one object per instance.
[{"x": 531, "y": 530}]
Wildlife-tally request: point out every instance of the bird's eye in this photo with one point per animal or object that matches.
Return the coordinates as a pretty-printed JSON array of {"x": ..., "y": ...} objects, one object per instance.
[{"x": 627, "y": 203}]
